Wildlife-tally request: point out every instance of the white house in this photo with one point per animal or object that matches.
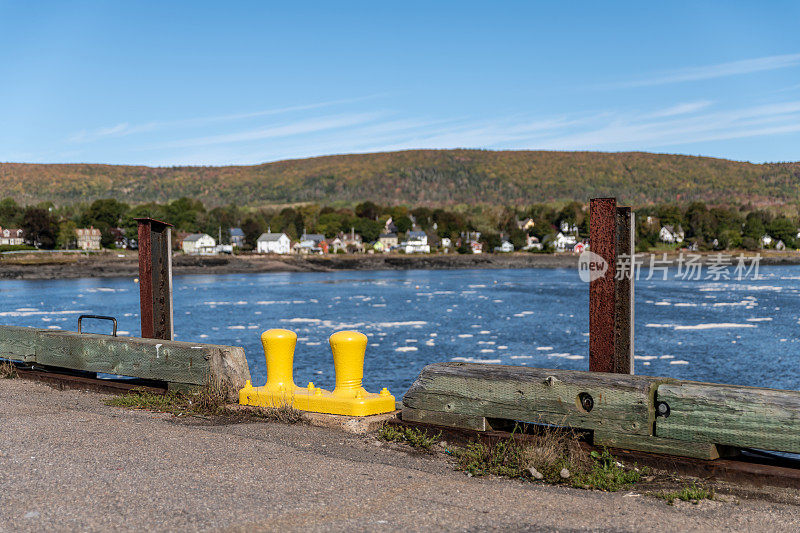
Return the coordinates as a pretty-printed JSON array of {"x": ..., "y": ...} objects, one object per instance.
[
  {"x": 12, "y": 236},
  {"x": 566, "y": 227},
  {"x": 532, "y": 243},
  {"x": 273, "y": 243},
  {"x": 671, "y": 235},
  {"x": 446, "y": 243},
  {"x": 780, "y": 245},
  {"x": 560, "y": 242},
  {"x": 477, "y": 247},
  {"x": 199, "y": 244},
  {"x": 766, "y": 240},
  {"x": 416, "y": 242},
  {"x": 506, "y": 247}
]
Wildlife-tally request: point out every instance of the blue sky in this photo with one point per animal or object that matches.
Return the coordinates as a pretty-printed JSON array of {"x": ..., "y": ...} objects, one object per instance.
[{"x": 216, "y": 83}]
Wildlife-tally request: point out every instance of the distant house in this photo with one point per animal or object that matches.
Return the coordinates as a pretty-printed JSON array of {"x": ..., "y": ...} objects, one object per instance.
[
  {"x": 237, "y": 237},
  {"x": 199, "y": 244},
  {"x": 532, "y": 243},
  {"x": 766, "y": 241},
  {"x": 273, "y": 243},
  {"x": 526, "y": 224},
  {"x": 416, "y": 242},
  {"x": 476, "y": 247},
  {"x": 11, "y": 236},
  {"x": 88, "y": 238},
  {"x": 780, "y": 245},
  {"x": 120, "y": 240},
  {"x": 311, "y": 243},
  {"x": 388, "y": 241},
  {"x": 671, "y": 235},
  {"x": 352, "y": 242},
  {"x": 505, "y": 247},
  {"x": 446, "y": 243},
  {"x": 579, "y": 247},
  {"x": 567, "y": 227},
  {"x": 389, "y": 227},
  {"x": 560, "y": 242}
]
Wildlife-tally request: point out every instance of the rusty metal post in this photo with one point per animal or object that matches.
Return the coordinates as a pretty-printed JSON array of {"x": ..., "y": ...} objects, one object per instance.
[
  {"x": 611, "y": 303},
  {"x": 155, "y": 278},
  {"x": 623, "y": 299},
  {"x": 602, "y": 291}
]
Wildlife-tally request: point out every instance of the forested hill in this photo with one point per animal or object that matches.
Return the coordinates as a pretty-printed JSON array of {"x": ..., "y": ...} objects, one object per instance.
[{"x": 418, "y": 177}]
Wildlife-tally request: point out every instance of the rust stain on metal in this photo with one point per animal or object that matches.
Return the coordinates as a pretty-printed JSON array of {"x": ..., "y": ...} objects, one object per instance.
[
  {"x": 155, "y": 278},
  {"x": 602, "y": 292}
]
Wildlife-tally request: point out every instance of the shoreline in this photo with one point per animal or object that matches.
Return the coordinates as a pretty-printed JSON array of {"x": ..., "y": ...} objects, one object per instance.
[{"x": 125, "y": 263}]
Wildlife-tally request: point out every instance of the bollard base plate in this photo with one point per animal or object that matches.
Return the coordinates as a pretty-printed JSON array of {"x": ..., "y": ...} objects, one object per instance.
[{"x": 317, "y": 400}]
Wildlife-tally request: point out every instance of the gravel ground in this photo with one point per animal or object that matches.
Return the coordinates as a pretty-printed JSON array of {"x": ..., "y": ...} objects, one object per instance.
[{"x": 69, "y": 462}]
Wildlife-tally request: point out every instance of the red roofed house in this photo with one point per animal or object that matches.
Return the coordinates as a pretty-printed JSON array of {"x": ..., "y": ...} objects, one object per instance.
[
  {"x": 88, "y": 238},
  {"x": 11, "y": 236}
]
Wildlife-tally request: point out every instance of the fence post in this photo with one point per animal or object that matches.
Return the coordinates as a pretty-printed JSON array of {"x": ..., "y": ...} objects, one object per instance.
[
  {"x": 611, "y": 295},
  {"x": 155, "y": 278},
  {"x": 624, "y": 302}
]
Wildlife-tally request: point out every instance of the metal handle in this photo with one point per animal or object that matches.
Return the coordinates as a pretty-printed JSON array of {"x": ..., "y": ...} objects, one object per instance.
[{"x": 98, "y": 317}]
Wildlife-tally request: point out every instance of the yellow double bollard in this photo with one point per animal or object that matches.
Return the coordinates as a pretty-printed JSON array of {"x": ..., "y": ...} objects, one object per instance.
[{"x": 348, "y": 396}]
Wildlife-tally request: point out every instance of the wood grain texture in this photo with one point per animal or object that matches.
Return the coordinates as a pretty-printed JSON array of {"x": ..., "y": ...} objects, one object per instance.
[
  {"x": 643, "y": 443},
  {"x": 747, "y": 417},
  {"x": 170, "y": 361},
  {"x": 451, "y": 420},
  {"x": 18, "y": 343},
  {"x": 622, "y": 403}
]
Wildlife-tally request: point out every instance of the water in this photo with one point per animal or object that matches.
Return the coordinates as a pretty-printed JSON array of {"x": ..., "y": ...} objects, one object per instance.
[{"x": 741, "y": 332}]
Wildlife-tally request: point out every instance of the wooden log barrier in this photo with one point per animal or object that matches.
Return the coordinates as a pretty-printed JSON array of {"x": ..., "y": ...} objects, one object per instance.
[
  {"x": 694, "y": 419},
  {"x": 180, "y": 364}
]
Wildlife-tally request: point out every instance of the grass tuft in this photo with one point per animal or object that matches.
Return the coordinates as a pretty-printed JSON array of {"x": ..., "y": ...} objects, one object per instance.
[
  {"x": 414, "y": 437},
  {"x": 689, "y": 493},
  {"x": 8, "y": 370},
  {"x": 285, "y": 414},
  {"x": 553, "y": 455}
]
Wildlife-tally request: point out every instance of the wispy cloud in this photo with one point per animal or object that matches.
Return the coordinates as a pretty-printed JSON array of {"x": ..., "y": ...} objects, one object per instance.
[
  {"x": 680, "y": 109},
  {"x": 124, "y": 129},
  {"x": 312, "y": 125},
  {"x": 720, "y": 70}
]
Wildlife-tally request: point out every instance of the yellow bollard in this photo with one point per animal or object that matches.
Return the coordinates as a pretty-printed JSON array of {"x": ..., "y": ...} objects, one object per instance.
[
  {"x": 279, "y": 347},
  {"x": 348, "y": 397},
  {"x": 349, "y": 348},
  {"x": 280, "y": 390}
]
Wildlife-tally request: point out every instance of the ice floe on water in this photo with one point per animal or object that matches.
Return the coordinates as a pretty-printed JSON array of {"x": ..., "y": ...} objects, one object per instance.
[
  {"x": 475, "y": 360},
  {"x": 236, "y": 327},
  {"x": 759, "y": 319},
  {"x": 544, "y": 348},
  {"x": 38, "y": 313},
  {"x": 679, "y": 362},
  {"x": 412, "y": 323},
  {"x": 722, "y": 325},
  {"x": 465, "y": 335},
  {"x": 566, "y": 356},
  {"x": 406, "y": 349},
  {"x": 487, "y": 350},
  {"x": 521, "y": 357}
]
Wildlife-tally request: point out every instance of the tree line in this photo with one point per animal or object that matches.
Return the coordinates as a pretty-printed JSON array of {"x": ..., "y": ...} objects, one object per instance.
[{"x": 707, "y": 227}]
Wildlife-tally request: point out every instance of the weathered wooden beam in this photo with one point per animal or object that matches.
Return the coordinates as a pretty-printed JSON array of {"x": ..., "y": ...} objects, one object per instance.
[
  {"x": 746, "y": 417},
  {"x": 650, "y": 444},
  {"x": 451, "y": 420},
  {"x": 617, "y": 403},
  {"x": 171, "y": 361},
  {"x": 18, "y": 343}
]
